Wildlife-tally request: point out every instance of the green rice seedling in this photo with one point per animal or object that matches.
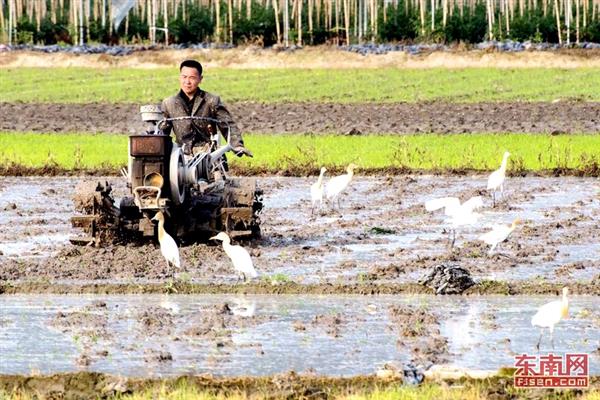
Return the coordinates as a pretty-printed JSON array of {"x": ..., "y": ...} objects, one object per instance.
[
  {"x": 305, "y": 154},
  {"x": 142, "y": 85}
]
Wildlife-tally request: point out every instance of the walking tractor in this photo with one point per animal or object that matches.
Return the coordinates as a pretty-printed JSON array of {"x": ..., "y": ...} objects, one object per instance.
[{"x": 192, "y": 188}]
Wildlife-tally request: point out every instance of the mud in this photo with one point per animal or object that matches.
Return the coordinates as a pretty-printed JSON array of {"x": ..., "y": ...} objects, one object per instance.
[
  {"x": 383, "y": 246},
  {"x": 356, "y": 119}
]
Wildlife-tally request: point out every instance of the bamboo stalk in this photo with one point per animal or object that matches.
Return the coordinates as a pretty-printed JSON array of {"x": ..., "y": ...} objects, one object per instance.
[
  {"x": 166, "y": 22},
  {"x": 422, "y": 15},
  {"x": 337, "y": 22},
  {"x": 11, "y": 8},
  {"x": 2, "y": 24},
  {"x": 360, "y": 20},
  {"x": 230, "y": 17},
  {"x": 557, "y": 13},
  {"x": 347, "y": 20},
  {"x": 277, "y": 27},
  {"x": 568, "y": 19},
  {"x": 577, "y": 21},
  {"x": 444, "y": 12},
  {"x": 299, "y": 22},
  {"x": 310, "y": 19},
  {"x": 217, "y": 11},
  {"x": 286, "y": 23}
]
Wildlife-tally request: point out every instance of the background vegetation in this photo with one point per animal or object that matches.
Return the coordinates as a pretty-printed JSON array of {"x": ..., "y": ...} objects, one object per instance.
[{"x": 301, "y": 22}]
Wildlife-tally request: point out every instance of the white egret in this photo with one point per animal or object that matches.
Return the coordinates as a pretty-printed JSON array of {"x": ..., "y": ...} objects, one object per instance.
[
  {"x": 496, "y": 179},
  {"x": 316, "y": 191},
  {"x": 498, "y": 234},
  {"x": 239, "y": 256},
  {"x": 550, "y": 314},
  {"x": 337, "y": 185},
  {"x": 460, "y": 214},
  {"x": 168, "y": 247}
]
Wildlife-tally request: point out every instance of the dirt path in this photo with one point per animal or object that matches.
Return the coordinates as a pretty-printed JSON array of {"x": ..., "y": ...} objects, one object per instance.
[{"x": 553, "y": 118}]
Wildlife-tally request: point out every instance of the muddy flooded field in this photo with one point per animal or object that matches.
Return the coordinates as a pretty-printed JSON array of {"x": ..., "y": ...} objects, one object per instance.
[
  {"x": 436, "y": 117},
  {"x": 382, "y": 234},
  {"x": 224, "y": 336}
]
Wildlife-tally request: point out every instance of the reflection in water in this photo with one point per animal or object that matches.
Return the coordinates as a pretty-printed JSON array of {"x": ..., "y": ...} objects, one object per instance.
[{"x": 265, "y": 335}]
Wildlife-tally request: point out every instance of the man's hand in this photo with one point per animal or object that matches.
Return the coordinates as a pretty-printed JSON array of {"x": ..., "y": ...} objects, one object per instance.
[{"x": 241, "y": 150}]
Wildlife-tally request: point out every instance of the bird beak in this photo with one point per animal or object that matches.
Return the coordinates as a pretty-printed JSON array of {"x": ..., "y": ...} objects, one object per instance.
[{"x": 213, "y": 238}]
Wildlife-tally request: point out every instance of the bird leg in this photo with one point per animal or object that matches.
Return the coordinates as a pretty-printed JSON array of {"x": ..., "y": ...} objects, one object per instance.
[
  {"x": 453, "y": 239},
  {"x": 493, "y": 199},
  {"x": 537, "y": 346}
]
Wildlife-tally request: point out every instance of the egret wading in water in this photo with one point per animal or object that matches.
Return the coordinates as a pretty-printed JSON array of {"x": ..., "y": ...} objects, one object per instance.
[
  {"x": 316, "y": 191},
  {"x": 337, "y": 185},
  {"x": 460, "y": 214},
  {"x": 239, "y": 256},
  {"x": 168, "y": 247},
  {"x": 496, "y": 179},
  {"x": 550, "y": 314},
  {"x": 499, "y": 234}
]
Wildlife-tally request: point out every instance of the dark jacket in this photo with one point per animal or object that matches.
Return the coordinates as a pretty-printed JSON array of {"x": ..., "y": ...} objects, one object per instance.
[{"x": 198, "y": 132}]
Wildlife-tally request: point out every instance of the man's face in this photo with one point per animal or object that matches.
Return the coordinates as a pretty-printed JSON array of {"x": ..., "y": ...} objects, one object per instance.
[{"x": 189, "y": 79}]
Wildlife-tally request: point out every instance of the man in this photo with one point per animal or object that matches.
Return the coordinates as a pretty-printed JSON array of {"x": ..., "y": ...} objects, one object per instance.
[{"x": 192, "y": 101}]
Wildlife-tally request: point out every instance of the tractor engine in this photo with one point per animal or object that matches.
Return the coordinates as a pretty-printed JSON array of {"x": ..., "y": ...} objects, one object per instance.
[{"x": 194, "y": 191}]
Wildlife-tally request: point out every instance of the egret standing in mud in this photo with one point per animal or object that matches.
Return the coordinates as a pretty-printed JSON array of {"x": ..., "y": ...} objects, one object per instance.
[
  {"x": 550, "y": 314},
  {"x": 316, "y": 191},
  {"x": 239, "y": 256},
  {"x": 496, "y": 179},
  {"x": 337, "y": 185},
  {"x": 168, "y": 247},
  {"x": 498, "y": 234},
  {"x": 460, "y": 214}
]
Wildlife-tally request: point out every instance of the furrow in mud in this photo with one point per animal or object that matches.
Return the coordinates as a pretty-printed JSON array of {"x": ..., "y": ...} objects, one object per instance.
[{"x": 399, "y": 118}]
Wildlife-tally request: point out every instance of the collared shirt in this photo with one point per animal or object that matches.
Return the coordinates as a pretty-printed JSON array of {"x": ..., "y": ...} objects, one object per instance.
[{"x": 189, "y": 103}]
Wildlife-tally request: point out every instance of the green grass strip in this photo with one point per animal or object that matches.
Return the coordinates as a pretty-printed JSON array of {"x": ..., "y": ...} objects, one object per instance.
[
  {"x": 131, "y": 85},
  {"x": 302, "y": 154}
]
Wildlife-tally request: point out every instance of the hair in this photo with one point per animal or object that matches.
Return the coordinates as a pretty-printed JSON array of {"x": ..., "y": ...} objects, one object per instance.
[{"x": 192, "y": 64}]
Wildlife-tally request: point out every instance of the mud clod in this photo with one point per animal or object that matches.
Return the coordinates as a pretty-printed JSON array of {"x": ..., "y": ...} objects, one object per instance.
[{"x": 448, "y": 279}]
